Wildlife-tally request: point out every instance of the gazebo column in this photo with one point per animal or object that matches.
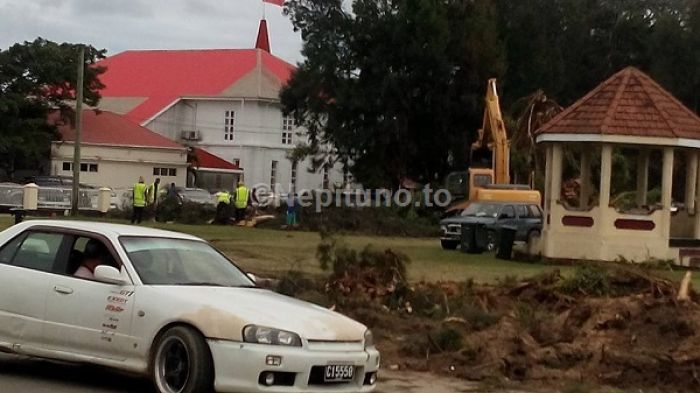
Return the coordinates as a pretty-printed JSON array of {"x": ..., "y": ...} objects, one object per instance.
[
  {"x": 691, "y": 174},
  {"x": 666, "y": 191},
  {"x": 547, "y": 177},
  {"x": 605, "y": 176},
  {"x": 585, "y": 178},
  {"x": 696, "y": 232},
  {"x": 555, "y": 191},
  {"x": 642, "y": 177}
]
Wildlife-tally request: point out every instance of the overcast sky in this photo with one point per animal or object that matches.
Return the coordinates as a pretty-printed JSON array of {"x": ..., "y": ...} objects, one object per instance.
[{"x": 118, "y": 25}]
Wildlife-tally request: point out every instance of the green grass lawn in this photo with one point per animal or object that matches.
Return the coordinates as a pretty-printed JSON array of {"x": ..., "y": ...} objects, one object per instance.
[{"x": 265, "y": 251}]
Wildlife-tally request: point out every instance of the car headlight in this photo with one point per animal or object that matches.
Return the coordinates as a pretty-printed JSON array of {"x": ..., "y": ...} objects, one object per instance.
[
  {"x": 269, "y": 336},
  {"x": 369, "y": 339}
]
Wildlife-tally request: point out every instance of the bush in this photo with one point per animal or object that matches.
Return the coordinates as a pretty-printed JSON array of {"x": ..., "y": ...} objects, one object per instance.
[
  {"x": 448, "y": 339},
  {"x": 588, "y": 280},
  {"x": 168, "y": 210},
  {"x": 293, "y": 283},
  {"x": 479, "y": 319},
  {"x": 196, "y": 214},
  {"x": 381, "y": 221}
]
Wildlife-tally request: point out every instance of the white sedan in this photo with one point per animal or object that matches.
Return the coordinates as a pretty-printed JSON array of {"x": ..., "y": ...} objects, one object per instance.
[{"x": 172, "y": 307}]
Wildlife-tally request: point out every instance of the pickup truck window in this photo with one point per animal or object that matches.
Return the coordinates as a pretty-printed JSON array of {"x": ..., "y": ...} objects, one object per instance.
[
  {"x": 508, "y": 212},
  {"x": 481, "y": 210},
  {"x": 536, "y": 212},
  {"x": 523, "y": 211}
]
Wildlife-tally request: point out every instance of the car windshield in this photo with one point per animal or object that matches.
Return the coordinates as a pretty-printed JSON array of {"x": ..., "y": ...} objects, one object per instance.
[
  {"x": 165, "y": 261},
  {"x": 482, "y": 210}
]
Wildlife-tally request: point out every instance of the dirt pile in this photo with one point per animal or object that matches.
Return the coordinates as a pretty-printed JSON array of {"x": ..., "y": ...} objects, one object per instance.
[
  {"x": 631, "y": 333},
  {"x": 612, "y": 324}
]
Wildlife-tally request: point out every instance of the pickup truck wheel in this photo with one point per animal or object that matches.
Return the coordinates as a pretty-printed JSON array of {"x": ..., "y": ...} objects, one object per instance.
[
  {"x": 491, "y": 241},
  {"x": 532, "y": 235},
  {"x": 182, "y": 362},
  {"x": 449, "y": 244}
]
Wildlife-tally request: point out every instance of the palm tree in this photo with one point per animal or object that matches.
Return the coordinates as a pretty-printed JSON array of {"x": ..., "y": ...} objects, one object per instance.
[{"x": 532, "y": 112}]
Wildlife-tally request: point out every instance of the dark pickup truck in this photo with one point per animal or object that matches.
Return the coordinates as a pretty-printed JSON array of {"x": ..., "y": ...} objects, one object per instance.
[{"x": 525, "y": 217}]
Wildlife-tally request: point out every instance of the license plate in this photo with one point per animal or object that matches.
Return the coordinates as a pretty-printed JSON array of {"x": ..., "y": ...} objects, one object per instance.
[{"x": 338, "y": 373}]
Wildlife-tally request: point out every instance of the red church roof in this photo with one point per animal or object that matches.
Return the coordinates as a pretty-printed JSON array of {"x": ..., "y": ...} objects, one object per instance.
[
  {"x": 630, "y": 103},
  {"x": 161, "y": 77},
  {"x": 111, "y": 129},
  {"x": 206, "y": 160}
]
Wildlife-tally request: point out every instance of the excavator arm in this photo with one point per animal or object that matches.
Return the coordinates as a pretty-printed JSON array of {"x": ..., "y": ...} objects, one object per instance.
[{"x": 494, "y": 126}]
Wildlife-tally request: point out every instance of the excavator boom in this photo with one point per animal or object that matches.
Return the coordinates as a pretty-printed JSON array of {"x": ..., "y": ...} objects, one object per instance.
[{"x": 494, "y": 125}]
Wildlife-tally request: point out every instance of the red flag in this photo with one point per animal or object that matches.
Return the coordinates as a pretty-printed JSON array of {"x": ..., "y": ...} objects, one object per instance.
[{"x": 275, "y": 2}]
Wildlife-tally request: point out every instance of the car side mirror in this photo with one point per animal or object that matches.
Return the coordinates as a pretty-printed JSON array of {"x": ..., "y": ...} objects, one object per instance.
[{"x": 109, "y": 274}]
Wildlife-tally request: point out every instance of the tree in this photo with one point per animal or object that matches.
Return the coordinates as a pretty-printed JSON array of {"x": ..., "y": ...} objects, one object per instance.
[
  {"x": 36, "y": 78},
  {"x": 393, "y": 89},
  {"x": 533, "y": 112},
  {"x": 567, "y": 47}
]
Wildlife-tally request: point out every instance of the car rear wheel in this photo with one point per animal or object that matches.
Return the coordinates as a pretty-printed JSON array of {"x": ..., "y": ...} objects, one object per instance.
[
  {"x": 182, "y": 362},
  {"x": 449, "y": 244}
]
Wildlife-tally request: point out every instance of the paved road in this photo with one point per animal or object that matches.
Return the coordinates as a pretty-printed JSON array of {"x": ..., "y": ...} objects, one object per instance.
[{"x": 21, "y": 375}]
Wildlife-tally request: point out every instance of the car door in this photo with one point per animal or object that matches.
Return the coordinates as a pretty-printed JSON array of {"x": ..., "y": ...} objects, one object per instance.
[
  {"x": 26, "y": 263},
  {"x": 87, "y": 317}
]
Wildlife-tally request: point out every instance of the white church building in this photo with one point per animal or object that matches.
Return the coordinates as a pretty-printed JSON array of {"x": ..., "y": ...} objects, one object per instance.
[{"x": 225, "y": 102}]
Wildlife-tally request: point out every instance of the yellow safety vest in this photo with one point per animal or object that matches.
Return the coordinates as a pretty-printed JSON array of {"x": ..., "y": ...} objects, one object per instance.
[
  {"x": 241, "y": 197},
  {"x": 140, "y": 195},
  {"x": 224, "y": 197}
]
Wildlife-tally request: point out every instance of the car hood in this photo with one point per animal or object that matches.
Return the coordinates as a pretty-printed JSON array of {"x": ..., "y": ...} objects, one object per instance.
[
  {"x": 224, "y": 312},
  {"x": 468, "y": 220}
]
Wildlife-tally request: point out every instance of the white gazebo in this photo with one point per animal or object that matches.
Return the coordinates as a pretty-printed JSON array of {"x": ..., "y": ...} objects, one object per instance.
[{"x": 632, "y": 113}]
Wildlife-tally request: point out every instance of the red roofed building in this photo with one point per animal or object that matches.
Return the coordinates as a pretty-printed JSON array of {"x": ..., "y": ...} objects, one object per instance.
[
  {"x": 224, "y": 101},
  {"x": 213, "y": 172},
  {"x": 115, "y": 151}
]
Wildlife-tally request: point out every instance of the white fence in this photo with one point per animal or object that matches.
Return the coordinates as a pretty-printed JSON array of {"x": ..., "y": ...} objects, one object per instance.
[{"x": 12, "y": 196}]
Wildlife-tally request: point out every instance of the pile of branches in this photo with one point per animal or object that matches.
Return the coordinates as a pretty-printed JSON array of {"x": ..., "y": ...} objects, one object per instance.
[{"x": 371, "y": 272}]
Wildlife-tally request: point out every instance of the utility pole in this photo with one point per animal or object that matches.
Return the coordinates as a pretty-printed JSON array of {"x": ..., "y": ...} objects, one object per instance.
[{"x": 78, "y": 129}]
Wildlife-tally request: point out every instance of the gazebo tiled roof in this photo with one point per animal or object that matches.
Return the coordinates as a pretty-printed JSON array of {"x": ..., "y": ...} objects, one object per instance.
[{"x": 629, "y": 104}]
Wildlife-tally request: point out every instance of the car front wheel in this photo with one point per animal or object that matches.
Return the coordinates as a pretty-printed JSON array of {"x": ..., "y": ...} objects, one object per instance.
[{"x": 182, "y": 362}]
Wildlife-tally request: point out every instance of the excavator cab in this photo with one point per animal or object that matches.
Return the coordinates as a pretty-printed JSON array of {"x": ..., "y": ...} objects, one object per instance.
[{"x": 464, "y": 186}]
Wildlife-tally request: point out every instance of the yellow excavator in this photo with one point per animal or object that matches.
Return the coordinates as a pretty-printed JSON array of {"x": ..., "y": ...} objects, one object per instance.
[{"x": 484, "y": 183}]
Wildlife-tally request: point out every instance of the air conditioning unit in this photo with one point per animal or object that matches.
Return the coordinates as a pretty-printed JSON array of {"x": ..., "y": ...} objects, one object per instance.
[{"x": 190, "y": 135}]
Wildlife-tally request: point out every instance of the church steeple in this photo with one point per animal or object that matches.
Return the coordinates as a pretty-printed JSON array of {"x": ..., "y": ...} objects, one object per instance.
[{"x": 263, "y": 41}]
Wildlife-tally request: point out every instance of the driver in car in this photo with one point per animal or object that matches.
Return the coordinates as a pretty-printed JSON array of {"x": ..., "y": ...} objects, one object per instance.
[{"x": 92, "y": 258}]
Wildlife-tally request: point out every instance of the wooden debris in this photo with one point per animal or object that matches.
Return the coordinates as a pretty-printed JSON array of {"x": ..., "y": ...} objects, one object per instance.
[{"x": 684, "y": 291}]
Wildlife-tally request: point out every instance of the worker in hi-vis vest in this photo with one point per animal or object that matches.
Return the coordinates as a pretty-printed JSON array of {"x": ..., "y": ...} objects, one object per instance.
[
  {"x": 241, "y": 201},
  {"x": 140, "y": 189},
  {"x": 223, "y": 212},
  {"x": 154, "y": 192}
]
